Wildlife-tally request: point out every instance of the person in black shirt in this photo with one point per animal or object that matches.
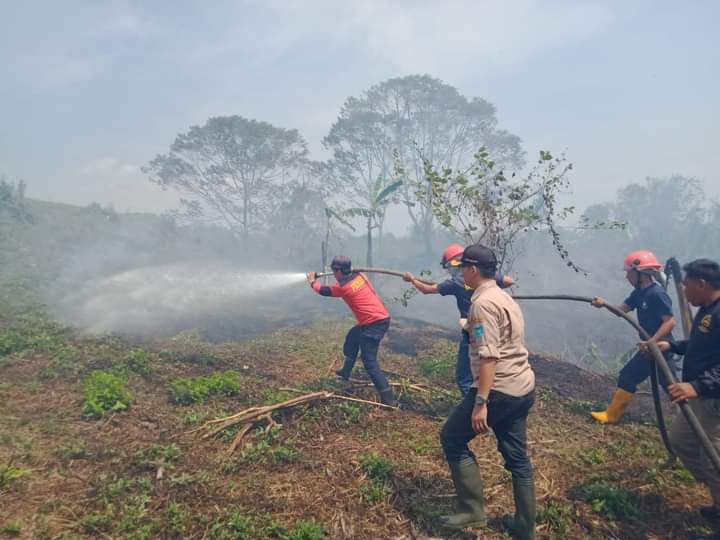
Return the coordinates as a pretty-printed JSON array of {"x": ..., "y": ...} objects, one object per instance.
[
  {"x": 700, "y": 385},
  {"x": 655, "y": 315}
]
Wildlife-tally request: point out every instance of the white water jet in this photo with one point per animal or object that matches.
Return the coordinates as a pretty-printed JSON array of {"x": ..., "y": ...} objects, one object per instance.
[{"x": 134, "y": 299}]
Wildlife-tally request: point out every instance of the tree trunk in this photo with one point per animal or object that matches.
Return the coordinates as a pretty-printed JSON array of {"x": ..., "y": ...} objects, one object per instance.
[{"x": 368, "y": 259}]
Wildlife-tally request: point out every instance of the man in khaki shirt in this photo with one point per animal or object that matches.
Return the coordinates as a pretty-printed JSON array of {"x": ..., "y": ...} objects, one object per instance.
[{"x": 501, "y": 398}]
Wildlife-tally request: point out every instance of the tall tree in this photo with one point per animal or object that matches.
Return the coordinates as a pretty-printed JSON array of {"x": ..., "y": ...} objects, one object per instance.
[
  {"x": 672, "y": 216},
  {"x": 407, "y": 120},
  {"x": 229, "y": 169}
]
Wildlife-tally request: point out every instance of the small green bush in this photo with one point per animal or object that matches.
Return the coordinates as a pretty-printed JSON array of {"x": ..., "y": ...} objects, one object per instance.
[
  {"x": 305, "y": 530},
  {"x": 9, "y": 474},
  {"x": 187, "y": 391},
  {"x": 11, "y": 342},
  {"x": 376, "y": 466},
  {"x": 105, "y": 392},
  {"x": 611, "y": 501}
]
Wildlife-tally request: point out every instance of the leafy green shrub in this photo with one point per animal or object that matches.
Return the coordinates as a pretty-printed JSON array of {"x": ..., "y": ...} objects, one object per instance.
[
  {"x": 137, "y": 361},
  {"x": 105, "y": 392},
  {"x": 9, "y": 474},
  {"x": 611, "y": 501},
  {"x": 11, "y": 342},
  {"x": 556, "y": 515},
  {"x": 305, "y": 530},
  {"x": 190, "y": 390},
  {"x": 437, "y": 368},
  {"x": 376, "y": 466}
]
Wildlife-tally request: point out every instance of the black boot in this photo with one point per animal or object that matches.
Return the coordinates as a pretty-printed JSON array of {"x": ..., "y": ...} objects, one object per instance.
[
  {"x": 347, "y": 368},
  {"x": 522, "y": 525},
  {"x": 470, "y": 499},
  {"x": 387, "y": 397}
]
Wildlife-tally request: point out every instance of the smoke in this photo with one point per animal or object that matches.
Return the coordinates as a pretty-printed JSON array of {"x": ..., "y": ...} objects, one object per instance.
[{"x": 163, "y": 298}]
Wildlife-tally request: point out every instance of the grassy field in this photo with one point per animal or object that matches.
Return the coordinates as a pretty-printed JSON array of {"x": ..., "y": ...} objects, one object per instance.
[{"x": 110, "y": 437}]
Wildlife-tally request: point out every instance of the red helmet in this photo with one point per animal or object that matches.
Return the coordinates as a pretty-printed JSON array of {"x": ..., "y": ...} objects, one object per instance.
[
  {"x": 642, "y": 260},
  {"x": 453, "y": 251}
]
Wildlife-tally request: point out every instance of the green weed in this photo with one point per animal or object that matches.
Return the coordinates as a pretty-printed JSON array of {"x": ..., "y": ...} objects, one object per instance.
[
  {"x": 191, "y": 390},
  {"x": 72, "y": 450},
  {"x": 375, "y": 466},
  {"x": 9, "y": 474},
  {"x": 305, "y": 530},
  {"x": 437, "y": 368},
  {"x": 593, "y": 456},
  {"x": 234, "y": 527},
  {"x": 557, "y": 516},
  {"x": 156, "y": 456},
  {"x": 105, "y": 392},
  {"x": 11, "y": 528},
  {"x": 137, "y": 361},
  {"x": 613, "y": 502},
  {"x": 194, "y": 417}
]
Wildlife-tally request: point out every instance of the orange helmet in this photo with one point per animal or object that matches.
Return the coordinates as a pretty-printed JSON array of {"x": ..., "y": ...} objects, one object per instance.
[
  {"x": 642, "y": 260},
  {"x": 453, "y": 251}
]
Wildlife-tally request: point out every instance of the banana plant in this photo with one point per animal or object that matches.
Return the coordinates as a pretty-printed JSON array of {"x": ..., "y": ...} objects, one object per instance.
[{"x": 374, "y": 213}]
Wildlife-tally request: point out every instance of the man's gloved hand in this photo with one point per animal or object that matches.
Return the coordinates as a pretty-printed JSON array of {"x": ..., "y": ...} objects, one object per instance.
[
  {"x": 407, "y": 276},
  {"x": 311, "y": 276},
  {"x": 598, "y": 302}
]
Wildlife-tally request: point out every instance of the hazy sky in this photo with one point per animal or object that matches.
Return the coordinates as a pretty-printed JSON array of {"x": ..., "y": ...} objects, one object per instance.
[{"x": 91, "y": 91}]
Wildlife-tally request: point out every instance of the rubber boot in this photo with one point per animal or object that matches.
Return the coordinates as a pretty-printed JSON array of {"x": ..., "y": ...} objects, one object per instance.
[
  {"x": 387, "y": 397},
  {"x": 347, "y": 368},
  {"x": 470, "y": 501},
  {"x": 615, "y": 410},
  {"x": 522, "y": 525}
]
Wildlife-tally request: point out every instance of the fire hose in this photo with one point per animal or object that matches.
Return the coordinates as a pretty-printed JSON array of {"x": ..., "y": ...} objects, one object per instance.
[{"x": 657, "y": 356}]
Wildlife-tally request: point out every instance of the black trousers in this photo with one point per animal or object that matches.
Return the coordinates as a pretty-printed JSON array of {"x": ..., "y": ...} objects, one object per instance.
[
  {"x": 365, "y": 340},
  {"x": 507, "y": 416}
]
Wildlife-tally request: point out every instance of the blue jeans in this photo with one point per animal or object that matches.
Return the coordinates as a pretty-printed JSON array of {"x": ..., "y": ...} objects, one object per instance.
[
  {"x": 507, "y": 416},
  {"x": 463, "y": 373},
  {"x": 365, "y": 340},
  {"x": 638, "y": 369}
]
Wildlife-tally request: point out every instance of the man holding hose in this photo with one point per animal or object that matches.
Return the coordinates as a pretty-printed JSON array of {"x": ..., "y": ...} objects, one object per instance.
[{"x": 373, "y": 320}]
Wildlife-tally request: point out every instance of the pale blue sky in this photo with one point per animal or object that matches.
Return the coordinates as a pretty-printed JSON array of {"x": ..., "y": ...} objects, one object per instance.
[{"x": 92, "y": 90}]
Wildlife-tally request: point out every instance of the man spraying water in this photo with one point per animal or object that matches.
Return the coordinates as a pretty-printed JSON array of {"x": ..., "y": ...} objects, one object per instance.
[{"x": 372, "y": 317}]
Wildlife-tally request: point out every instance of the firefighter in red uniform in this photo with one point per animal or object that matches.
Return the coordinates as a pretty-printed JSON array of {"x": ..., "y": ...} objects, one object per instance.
[{"x": 373, "y": 320}]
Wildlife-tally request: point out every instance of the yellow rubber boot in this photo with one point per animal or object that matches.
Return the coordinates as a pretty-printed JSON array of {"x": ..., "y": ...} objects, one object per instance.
[{"x": 615, "y": 410}]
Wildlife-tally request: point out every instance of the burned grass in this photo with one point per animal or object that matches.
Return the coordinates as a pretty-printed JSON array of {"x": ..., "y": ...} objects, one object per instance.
[{"x": 328, "y": 469}]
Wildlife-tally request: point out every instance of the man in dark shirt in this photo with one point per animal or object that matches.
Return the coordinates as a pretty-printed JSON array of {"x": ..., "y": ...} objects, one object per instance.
[
  {"x": 455, "y": 286},
  {"x": 655, "y": 314},
  {"x": 700, "y": 385}
]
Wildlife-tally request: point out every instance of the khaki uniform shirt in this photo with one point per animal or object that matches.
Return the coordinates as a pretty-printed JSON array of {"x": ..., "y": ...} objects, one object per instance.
[{"x": 497, "y": 330}]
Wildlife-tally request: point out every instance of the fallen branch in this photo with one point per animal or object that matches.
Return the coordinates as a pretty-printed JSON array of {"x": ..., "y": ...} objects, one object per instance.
[{"x": 253, "y": 415}]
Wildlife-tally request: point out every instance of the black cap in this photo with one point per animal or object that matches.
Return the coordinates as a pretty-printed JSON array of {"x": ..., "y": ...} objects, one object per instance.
[
  {"x": 479, "y": 255},
  {"x": 341, "y": 263}
]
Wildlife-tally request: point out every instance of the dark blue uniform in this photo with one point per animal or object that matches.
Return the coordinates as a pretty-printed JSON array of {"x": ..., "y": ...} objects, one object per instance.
[
  {"x": 455, "y": 286},
  {"x": 702, "y": 352},
  {"x": 651, "y": 304}
]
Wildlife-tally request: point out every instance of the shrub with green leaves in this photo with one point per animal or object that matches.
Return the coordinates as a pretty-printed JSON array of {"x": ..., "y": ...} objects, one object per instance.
[
  {"x": 305, "y": 530},
  {"x": 11, "y": 342},
  {"x": 9, "y": 474},
  {"x": 376, "y": 466},
  {"x": 105, "y": 392},
  {"x": 611, "y": 501},
  {"x": 187, "y": 391}
]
